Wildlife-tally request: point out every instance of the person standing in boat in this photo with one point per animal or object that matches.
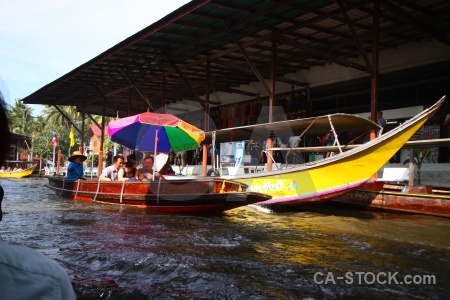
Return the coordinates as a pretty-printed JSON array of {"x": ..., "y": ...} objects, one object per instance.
[
  {"x": 255, "y": 150},
  {"x": 381, "y": 121},
  {"x": 75, "y": 169},
  {"x": 109, "y": 156},
  {"x": 111, "y": 173}
]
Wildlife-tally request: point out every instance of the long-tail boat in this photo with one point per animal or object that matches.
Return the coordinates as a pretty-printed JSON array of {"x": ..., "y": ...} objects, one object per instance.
[
  {"x": 179, "y": 195},
  {"x": 395, "y": 197},
  {"x": 18, "y": 174},
  {"x": 327, "y": 178}
]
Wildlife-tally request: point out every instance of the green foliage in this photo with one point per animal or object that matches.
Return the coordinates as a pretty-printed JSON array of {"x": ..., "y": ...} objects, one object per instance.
[
  {"x": 89, "y": 160},
  {"x": 19, "y": 118},
  {"x": 420, "y": 155},
  {"x": 22, "y": 121}
]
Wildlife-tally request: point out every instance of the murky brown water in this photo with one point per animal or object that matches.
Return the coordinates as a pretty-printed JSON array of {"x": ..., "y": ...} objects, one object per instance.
[{"x": 116, "y": 252}]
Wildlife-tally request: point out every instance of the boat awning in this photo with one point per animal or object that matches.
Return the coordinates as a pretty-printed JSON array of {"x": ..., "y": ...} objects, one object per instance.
[{"x": 317, "y": 126}]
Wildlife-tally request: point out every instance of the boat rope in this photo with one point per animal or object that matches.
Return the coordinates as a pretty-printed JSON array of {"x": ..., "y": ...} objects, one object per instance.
[
  {"x": 64, "y": 183},
  {"x": 223, "y": 187},
  {"x": 78, "y": 188},
  {"x": 300, "y": 138},
  {"x": 98, "y": 188},
  {"x": 121, "y": 192},
  {"x": 336, "y": 139}
]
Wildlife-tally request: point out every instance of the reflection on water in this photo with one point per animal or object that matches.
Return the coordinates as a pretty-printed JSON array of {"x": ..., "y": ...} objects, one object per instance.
[{"x": 119, "y": 252}]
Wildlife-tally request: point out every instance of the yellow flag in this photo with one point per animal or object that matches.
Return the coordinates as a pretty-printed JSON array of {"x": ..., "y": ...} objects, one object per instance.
[{"x": 72, "y": 136}]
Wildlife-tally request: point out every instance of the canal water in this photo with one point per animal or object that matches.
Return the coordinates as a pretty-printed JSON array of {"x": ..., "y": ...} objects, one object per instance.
[{"x": 118, "y": 252}]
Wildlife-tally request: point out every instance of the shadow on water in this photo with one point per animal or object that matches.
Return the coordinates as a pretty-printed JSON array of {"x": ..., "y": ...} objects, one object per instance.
[{"x": 119, "y": 252}]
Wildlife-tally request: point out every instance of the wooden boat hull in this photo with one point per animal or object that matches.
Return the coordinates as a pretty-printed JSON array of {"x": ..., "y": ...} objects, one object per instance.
[
  {"x": 399, "y": 198},
  {"x": 334, "y": 176},
  {"x": 207, "y": 195},
  {"x": 19, "y": 174}
]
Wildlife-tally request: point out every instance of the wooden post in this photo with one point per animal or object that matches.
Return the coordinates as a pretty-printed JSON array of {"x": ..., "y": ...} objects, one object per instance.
[
  {"x": 59, "y": 162},
  {"x": 204, "y": 159},
  {"x": 100, "y": 163},
  {"x": 411, "y": 167}
]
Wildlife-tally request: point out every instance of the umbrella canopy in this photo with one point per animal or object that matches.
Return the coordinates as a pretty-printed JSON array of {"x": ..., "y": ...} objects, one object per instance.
[{"x": 155, "y": 132}]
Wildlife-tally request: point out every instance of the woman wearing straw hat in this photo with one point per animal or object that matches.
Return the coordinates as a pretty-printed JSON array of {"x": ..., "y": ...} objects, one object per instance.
[{"x": 75, "y": 169}]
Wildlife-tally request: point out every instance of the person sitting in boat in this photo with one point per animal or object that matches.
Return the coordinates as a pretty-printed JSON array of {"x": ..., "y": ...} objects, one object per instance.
[
  {"x": 146, "y": 173},
  {"x": 111, "y": 173},
  {"x": 129, "y": 172},
  {"x": 167, "y": 169},
  {"x": 75, "y": 169},
  {"x": 2, "y": 169}
]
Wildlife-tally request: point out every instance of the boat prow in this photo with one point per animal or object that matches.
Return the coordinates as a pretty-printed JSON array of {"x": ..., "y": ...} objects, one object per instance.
[
  {"x": 18, "y": 174},
  {"x": 331, "y": 177}
]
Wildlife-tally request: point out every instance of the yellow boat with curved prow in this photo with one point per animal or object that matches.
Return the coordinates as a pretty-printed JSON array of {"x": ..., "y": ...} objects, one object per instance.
[
  {"x": 18, "y": 174},
  {"x": 327, "y": 178}
]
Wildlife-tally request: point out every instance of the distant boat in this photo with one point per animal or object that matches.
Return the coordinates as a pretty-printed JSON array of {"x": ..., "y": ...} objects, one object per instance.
[
  {"x": 179, "y": 195},
  {"x": 18, "y": 174},
  {"x": 327, "y": 178},
  {"x": 396, "y": 197}
]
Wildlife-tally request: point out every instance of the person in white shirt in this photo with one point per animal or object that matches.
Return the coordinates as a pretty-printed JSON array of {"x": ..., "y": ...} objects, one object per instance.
[{"x": 24, "y": 272}]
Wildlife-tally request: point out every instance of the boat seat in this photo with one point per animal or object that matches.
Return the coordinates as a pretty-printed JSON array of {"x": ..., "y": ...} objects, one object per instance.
[{"x": 395, "y": 175}]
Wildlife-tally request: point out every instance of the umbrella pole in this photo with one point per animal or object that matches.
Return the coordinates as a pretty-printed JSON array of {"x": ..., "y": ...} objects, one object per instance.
[{"x": 154, "y": 153}]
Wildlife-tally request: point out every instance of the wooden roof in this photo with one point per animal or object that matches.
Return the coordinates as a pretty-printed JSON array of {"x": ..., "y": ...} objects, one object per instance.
[{"x": 233, "y": 40}]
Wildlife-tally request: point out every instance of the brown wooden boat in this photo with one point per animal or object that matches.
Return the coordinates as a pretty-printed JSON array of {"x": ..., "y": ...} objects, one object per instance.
[
  {"x": 180, "y": 195},
  {"x": 376, "y": 195}
]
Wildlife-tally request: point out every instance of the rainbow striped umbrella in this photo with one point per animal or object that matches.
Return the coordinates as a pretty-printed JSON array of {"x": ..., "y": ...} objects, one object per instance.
[{"x": 155, "y": 132}]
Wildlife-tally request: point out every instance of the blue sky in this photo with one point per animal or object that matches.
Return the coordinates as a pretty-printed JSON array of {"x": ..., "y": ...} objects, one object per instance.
[{"x": 42, "y": 40}]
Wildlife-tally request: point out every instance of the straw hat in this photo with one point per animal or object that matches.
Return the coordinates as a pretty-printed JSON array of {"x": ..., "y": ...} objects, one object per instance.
[{"x": 77, "y": 154}]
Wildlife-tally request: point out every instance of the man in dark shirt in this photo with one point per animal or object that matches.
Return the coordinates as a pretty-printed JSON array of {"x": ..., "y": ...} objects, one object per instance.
[{"x": 255, "y": 150}]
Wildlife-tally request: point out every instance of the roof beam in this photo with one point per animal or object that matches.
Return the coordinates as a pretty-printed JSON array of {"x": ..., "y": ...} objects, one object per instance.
[
  {"x": 137, "y": 90},
  {"x": 355, "y": 36},
  {"x": 321, "y": 53},
  {"x": 408, "y": 18},
  {"x": 247, "y": 58},
  {"x": 65, "y": 116},
  {"x": 186, "y": 82}
]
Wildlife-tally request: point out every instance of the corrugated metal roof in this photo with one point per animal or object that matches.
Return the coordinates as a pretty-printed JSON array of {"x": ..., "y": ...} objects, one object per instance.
[{"x": 174, "y": 52}]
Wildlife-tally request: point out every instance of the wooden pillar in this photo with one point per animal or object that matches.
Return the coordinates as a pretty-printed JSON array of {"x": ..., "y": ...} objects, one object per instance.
[
  {"x": 163, "y": 96},
  {"x": 128, "y": 106},
  {"x": 206, "y": 117},
  {"x": 59, "y": 162},
  {"x": 207, "y": 95},
  {"x": 272, "y": 98},
  {"x": 82, "y": 131},
  {"x": 204, "y": 159},
  {"x": 374, "y": 83},
  {"x": 100, "y": 154},
  {"x": 411, "y": 167}
]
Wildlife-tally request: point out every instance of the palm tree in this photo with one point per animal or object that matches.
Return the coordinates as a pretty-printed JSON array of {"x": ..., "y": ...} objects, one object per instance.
[
  {"x": 53, "y": 117},
  {"x": 20, "y": 118}
]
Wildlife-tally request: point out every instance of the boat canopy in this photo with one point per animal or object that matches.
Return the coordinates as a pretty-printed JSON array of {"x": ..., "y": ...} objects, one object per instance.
[{"x": 284, "y": 129}]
